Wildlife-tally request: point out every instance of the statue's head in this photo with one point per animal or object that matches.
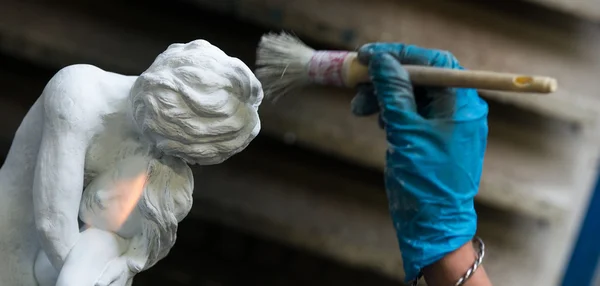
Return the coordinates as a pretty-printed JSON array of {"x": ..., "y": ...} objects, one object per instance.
[
  {"x": 197, "y": 103},
  {"x": 142, "y": 199}
]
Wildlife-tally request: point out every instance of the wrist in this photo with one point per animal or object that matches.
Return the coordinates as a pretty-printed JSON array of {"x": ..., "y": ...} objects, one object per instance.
[
  {"x": 452, "y": 267},
  {"x": 420, "y": 250}
]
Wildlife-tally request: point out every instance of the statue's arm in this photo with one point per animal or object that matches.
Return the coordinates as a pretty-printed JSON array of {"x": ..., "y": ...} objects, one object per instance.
[{"x": 59, "y": 171}]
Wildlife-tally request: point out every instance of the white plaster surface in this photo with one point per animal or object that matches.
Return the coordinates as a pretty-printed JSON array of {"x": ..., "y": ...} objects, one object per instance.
[{"x": 112, "y": 135}]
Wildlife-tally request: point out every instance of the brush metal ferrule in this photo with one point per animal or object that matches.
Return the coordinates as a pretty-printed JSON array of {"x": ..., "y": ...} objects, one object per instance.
[{"x": 327, "y": 68}]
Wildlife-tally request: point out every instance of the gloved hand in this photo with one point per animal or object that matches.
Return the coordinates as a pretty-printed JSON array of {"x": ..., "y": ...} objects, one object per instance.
[{"x": 437, "y": 139}]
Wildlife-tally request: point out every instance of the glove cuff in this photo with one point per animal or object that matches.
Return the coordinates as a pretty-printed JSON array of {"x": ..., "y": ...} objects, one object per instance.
[{"x": 446, "y": 236}]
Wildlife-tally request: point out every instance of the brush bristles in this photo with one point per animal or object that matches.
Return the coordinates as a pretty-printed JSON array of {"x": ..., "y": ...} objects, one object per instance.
[{"x": 282, "y": 62}]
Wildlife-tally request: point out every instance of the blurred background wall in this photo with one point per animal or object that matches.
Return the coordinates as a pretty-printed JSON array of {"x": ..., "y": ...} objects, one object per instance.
[{"x": 305, "y": 202}]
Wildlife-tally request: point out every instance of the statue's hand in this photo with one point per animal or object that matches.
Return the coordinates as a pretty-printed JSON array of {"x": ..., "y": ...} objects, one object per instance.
[
  {"x": 117, "y": 273},
  {"x": 92, "y": 257}
]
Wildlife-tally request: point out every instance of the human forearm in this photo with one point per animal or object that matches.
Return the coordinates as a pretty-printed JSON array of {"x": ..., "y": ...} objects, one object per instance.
[{"x": 455, "y": 265}]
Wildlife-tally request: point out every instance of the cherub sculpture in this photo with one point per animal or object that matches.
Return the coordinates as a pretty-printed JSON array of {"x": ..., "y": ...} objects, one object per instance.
[{"x": 97, "y": 178}]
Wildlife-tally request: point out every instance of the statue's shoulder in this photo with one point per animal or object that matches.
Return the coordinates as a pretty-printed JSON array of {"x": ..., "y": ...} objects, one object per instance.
[
  {"x": 72, "y": 82},
  {"x": 76, "y": 94}
]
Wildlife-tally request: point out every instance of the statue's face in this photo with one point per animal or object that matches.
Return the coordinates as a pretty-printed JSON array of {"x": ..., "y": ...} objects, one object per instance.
[
  {"x": 109, "y": 201},
  {"x": 142, "y": 199},
  {"x": 197, "y": 103}
]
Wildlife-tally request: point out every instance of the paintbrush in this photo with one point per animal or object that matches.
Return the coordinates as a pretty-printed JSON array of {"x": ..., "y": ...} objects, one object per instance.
[{"x": 285, "y": 63}]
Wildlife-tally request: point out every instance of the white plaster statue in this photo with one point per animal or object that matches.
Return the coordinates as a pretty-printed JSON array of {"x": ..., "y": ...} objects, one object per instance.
[{"x": 113, "y": 151}]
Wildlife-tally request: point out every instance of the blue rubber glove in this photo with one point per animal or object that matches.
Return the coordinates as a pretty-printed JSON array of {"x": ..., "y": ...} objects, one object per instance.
[{"x": 437, "y": 139}]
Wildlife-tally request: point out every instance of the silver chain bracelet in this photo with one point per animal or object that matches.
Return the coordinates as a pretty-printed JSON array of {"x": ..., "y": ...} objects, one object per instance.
[{"x": 470, "y": 271}]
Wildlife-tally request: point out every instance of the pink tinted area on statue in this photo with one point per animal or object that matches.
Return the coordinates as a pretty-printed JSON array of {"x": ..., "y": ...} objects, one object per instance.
[{"x": 113, "y": 151}]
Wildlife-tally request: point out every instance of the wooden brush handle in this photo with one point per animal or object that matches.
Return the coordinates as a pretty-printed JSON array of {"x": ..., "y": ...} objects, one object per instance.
[{"x": 355, "y": 73}]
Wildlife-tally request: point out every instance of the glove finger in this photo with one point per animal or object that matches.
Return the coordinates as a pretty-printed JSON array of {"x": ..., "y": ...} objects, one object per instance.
[
  {"x": 365, "y": 102},
  {"x": 409, "y": 55},
  {"x": 392, "y": 88},
  {"x": 469, "y": 106},
  {"x": 437, "y": 102}
]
